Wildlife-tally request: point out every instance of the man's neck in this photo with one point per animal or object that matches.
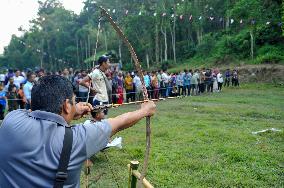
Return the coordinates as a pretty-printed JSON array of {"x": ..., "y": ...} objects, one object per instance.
[{"x": 102, "y": 69}]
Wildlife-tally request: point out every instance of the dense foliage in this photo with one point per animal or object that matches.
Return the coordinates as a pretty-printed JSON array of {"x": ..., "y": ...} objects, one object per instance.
[{"x": 163, "y": 33}]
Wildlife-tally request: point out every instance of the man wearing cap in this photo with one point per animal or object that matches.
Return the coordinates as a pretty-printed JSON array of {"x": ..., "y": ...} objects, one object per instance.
[{"x": 99, "y": 82}]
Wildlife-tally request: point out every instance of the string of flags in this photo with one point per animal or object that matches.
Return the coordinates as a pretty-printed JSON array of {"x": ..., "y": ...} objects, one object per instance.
[{"x": 192, "y": 18}]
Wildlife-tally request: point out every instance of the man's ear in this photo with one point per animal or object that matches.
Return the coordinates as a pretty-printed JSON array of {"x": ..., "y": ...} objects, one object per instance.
[{"x": 66, "y": 107}]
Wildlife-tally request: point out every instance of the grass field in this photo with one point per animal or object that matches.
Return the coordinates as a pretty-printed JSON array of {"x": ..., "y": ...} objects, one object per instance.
[{"x": 205, "y": 141}]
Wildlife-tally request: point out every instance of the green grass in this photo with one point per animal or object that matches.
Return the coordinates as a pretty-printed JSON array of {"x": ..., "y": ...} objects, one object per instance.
[{"x": 205, "y": 141}]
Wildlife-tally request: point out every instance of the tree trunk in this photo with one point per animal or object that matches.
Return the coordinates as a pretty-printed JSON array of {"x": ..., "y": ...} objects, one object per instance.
[
  {"x": 105, "y": 35},
  {"x": 251, "y": 44},
  {"x": 157, "y": 44},
  {"x": 166, "y": 44},
  {"x": 78, "y": 57},
  {"x": 173, "y": 35},
  {"x": 147, "y": 60},
  {"x": 89, "y": 46}
]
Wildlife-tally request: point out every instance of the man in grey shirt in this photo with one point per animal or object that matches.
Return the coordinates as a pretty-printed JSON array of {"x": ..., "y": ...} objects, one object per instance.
[{"x": 31, "y": 142}]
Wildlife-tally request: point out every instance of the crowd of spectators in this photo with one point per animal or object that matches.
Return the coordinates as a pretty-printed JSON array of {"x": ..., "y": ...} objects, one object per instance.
[{"x": 16, "y": 85}]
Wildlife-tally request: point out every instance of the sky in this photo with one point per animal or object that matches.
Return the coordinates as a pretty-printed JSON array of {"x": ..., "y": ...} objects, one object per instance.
[{"x": 16, "y": 13}]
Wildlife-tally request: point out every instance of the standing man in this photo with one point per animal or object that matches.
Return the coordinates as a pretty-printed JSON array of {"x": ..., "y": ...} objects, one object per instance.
[
  {"x": 128, "y": 87},
  {"x": 32, "y": 142},
  {"x": 28, "y": 89},
  {"x": 138, "y": 85},
  {"x": 99, "y": 82},
  {"x": 227, "y": 78},
  {"x": 18, "y": 79}
]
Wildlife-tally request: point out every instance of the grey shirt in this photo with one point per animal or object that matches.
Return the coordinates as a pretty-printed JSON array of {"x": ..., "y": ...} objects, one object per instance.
[{"x": 31, "y": 143}]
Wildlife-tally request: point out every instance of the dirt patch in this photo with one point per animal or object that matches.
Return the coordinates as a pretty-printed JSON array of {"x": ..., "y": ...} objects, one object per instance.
[{"x": 261, "y": 73}]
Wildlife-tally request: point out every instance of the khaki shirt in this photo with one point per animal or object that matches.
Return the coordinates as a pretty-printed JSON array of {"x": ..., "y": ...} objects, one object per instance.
[{"x": 98, "y": 80}]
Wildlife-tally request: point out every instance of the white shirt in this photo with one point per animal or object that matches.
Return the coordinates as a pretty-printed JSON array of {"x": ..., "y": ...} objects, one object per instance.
[
  {"x": 220, "y": 78},
  {"x": 2, "y": 77},
  {"x": 98, "y": 80},
  {"x": 137, "y": 82},
  {"x": 165, "y": 77},
  {"x": 18, "y": 80}
]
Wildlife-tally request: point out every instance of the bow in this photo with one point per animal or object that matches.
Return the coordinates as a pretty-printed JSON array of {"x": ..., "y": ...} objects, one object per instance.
[{"x": 145, "y": 93}]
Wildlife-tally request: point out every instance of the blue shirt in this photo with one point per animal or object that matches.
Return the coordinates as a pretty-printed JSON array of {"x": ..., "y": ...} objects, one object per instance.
[
  {"x": 2, "y": 99},
  {"x": 186, "y": 79},
  {"x": 28, "y": 90},
  {"x": 31, "y": 144},
  {"x": 147, "y": 80}
]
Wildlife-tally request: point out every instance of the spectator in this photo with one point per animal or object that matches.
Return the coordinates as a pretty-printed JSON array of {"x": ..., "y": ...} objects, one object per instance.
[
  {"x": 147, "y": 81},
  {"x": 120, "y": 82},
  {"x": 186, "y": 82},
  {"x": 235, "y": 78},
  {"x": 3, "y": 102},
  {"x": 9, "y": 75},
  {"x": 128, "y": 86},
  {"x": 138, "y": 85},
  {"x": 21, "y": 97},
  {"x": 28, "y": 89},
  {"x": 114, "y": 88},
  {"x": 220, "y": 81},
  {"x": 83, "y": 91},
  {"x": 209, "y": 81},
  {"x": 12, "y": 97},
  {"x": 227, "y": 78},
  {"x": 155, "y": 86},
  {"x": 179, "y": 83},
  {"x": 2, "y": 78},
  {"x": 165, "y": 81},
  {"x": 194, "y": 82},
  {"x": 18, "y": 79}
]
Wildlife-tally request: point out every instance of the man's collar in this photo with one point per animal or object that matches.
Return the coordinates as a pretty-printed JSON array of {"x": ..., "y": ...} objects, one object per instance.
[{"x": 49, "y": 117}]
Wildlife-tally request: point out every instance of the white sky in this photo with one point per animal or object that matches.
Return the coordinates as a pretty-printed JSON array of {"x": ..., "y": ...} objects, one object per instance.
[{"x": 16, "y": 13}]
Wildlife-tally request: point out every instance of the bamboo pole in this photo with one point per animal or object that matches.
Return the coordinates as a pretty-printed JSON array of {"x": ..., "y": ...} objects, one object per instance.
[
  {"x": 135, "y": 175},
  {"x": 132, "y": 179}
]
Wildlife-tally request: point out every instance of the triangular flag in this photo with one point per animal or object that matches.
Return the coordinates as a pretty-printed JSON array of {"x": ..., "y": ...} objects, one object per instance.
[
  {"x": 126, "y": 12},
  {"x": 164, "y": 14},
  {"x": 211, "y": 18},
  {"x": 232, "y": 21},
  {"x": 200, "y": 17},
  {"x": 140, "y": 13},
  {"x": 267, "y": 23},
  {"x": 113, "y": 11},
  {"x": 173, "y": 16},
  {"x": 155, "y": 14},
  {"x": 241, "y": 21},
  {"x": 108, "y": 10},
  {"x": 190, "y": 17},
  {"x": 181, "y": 17}
]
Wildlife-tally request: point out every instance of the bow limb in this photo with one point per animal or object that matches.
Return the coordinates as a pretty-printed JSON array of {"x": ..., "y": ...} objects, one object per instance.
[{"x": 145, "y": 93}]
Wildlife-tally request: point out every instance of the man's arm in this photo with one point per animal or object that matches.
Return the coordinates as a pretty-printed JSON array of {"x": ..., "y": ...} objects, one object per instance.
[
  {"x": 85, "y": 82},
  {"x": 127, "y": 120}
]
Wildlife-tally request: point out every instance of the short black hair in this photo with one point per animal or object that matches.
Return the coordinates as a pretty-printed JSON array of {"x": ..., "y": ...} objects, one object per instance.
[{"x": 50, "y": 92}]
